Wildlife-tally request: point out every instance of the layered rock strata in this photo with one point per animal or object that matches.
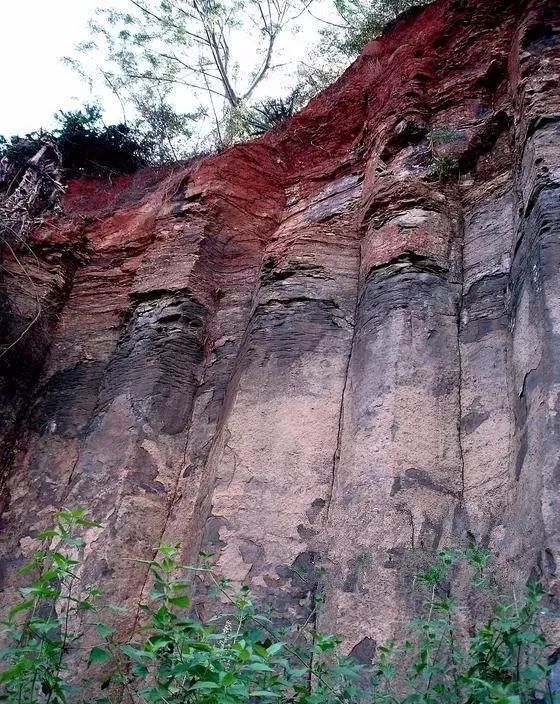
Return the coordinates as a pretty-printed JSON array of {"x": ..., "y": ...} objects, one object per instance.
[{"x": 317, "y": 353}]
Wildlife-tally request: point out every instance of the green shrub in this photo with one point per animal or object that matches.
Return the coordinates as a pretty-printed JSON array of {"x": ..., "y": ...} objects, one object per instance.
[
  {"x": 37, "y": 627},
  {"x": 272, "y": 112},
  {"x": 239, "y": 655},
  {"x": 83, "y": 145},
  {"x": 90, "y": 147},
  {"x": 442, "y": 165}
]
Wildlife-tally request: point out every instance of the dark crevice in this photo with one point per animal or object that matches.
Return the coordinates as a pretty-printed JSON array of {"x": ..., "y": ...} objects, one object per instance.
[
  {"x": 336, "y": 454},
  {"x": 410, "y": 260},
  {"x": 485, "y": 140}
]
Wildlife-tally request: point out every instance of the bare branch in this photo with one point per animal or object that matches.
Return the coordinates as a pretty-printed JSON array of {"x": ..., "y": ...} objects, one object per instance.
[
  {"x": 165, "y": 79},
  {"x": 332, "y": 24},
  {"x": 263, "y": 70},
  {"x": 113, "y": 88}
]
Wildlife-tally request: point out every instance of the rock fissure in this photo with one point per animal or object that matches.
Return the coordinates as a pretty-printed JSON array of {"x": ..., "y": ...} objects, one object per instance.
[
  {"x": 460, "y": 312},
  {"x": 340, "y": 423}
]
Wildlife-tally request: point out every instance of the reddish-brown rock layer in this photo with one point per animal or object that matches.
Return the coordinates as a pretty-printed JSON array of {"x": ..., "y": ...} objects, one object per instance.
[{"x": 306, "y": 354}]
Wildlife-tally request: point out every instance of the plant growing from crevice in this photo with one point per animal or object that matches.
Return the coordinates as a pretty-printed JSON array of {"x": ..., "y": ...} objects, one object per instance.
[
  {"x": 271, "y": 113},
  {"x": 443, "y": 166}
]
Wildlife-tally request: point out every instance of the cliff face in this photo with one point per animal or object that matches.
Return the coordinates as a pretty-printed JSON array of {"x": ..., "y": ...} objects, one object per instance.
[{"x": 309, "y": 354}]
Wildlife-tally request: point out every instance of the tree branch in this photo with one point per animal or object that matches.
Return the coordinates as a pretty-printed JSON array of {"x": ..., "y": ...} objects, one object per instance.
[{"x": 172, "y": 80}]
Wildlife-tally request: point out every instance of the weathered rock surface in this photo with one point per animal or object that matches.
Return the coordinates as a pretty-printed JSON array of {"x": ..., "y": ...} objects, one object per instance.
[{"x": 307, "y": 354}]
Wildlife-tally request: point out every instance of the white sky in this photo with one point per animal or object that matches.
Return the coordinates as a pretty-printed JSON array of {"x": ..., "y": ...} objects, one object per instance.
[{"x": 34, "y": 83}]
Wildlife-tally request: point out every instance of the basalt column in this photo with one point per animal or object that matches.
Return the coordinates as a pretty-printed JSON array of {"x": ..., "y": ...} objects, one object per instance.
[
  {"x": 398, "y": 473},
  {"x": 532, "y": 542},
  {"x": 273, "y": 462},
  {"x": 319, "y": 355}
]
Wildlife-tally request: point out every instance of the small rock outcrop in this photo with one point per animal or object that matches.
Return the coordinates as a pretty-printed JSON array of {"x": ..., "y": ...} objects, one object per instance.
[{"x": 317, "y": 352}]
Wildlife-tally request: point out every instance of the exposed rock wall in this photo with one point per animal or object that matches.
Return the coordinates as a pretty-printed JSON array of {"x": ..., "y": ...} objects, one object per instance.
[{"x": 308, "y": 354}]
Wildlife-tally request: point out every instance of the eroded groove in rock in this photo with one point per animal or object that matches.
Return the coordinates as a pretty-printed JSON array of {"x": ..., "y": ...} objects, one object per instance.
[{"x": 314, "y": 354}]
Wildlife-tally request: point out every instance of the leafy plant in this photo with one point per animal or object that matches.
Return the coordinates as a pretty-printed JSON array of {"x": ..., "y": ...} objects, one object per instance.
[
  {"x": 236, "y": 653},
  {"x": 442, "y": 165},
  {"x": 38, "y": 626},
  {"x": 502, "y": 662},
  {"x": 272, "y": 112},
  {"x": 90, "y": 147},
  {"x": 366, "y": 20},
  {"x": 234, "y": 656},
  {"x": 188, "y": 51},
  {"x": 442, "y": 135},
  {"x": 83, "y": 145}
]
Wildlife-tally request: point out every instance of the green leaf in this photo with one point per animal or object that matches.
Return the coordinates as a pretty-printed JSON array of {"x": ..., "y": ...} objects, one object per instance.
[
  {"x": 204, "y": 685},
  {"x": 158, "y": 642},
  {"x": 136, "y": 653},
  {"x": 104, "y": 631},
  {"x": 97, "y": 654},
  {"x": 263, "y": 693},
  {"x": 20, "y": 607},
  {"x": 182, "y": 601},
  {"x": 275, "y": 648},
  {"x": 228, "y": 678},
  {"x": 259, "y": 667},
  {"x": 140, "y": 670},
  {"x": 200, "y": 646},
  {"x": 47, "y": 534}
]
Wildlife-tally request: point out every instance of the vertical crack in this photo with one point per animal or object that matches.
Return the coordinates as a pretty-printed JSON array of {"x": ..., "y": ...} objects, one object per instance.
[
  {"x": 460, "y": 309},
  {"x": 412, "y": 529},
  {"x": 336, "y": 454},
  {"x": 220, "y": 423},
  {"x": 174, "y": 495}
]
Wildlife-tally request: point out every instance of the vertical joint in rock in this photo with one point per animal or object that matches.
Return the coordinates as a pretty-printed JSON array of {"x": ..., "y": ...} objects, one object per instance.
[
  {"x": 336, "y": 453},
  {"x": 460, "y": 308}
]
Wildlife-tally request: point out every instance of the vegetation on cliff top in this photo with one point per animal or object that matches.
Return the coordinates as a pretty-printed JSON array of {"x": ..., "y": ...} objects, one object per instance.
[
  {"x": 85, "y": 145},
  {"x": 157, "y": 56},
  {"x": 241, "y": 654}
]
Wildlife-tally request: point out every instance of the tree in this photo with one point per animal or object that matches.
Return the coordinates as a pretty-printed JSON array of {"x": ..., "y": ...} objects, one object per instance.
[
  {"x": 361, "y": 21},
  {"x": 190, "y": 48},
  {"x": 167, "y": 53},
  {"x": 344, "y": 34},
  {"x": 89, "y": 147},
  {"x": 81, "y": 145}
]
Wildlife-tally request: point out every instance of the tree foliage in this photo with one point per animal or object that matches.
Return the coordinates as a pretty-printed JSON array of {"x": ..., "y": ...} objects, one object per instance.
[
  {"x": 84, "y": 145},
  {"x": 166, "y": 53},
  {"x": 90, "y": 147},
  {"x": 163, "y": 46},
  {"x": 361, "y": 21},
  {"x": 344, "y": 34}
]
